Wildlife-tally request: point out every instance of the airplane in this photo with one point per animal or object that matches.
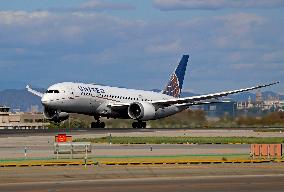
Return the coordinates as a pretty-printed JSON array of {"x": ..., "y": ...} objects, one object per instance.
[{"x": 113, "y": 102}]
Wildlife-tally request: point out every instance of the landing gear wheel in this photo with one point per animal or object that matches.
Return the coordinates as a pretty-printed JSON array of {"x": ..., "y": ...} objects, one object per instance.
[
  {"x": 93, "y": 124},
  {"x": 98, "y": 124},
  {"x": 102, "y": 124},
  {"x": 139, "y": 125},
  {"x": 134, "y": 125}
]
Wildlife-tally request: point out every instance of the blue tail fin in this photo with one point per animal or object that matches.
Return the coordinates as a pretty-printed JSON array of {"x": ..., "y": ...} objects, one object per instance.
[{"x": 174, "y": 86}]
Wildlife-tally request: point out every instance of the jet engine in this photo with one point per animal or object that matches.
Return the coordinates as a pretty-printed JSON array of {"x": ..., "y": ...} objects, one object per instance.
[
  {"x": 54, "y": 115},
  {"x": 141, "y": 111}
]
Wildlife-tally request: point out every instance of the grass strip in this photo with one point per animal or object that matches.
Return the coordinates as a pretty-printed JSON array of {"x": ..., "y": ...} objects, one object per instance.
[{"x": 182, "y": 140}]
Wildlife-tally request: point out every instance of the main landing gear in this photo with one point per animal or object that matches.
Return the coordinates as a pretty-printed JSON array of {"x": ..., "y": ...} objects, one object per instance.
[
  {"x": 139, "y": 125},
  {"x": 98, "y": 124}
]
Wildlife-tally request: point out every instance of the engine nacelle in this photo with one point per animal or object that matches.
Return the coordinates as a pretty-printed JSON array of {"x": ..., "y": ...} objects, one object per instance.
[
  {"x": 54, "y": 115},
  {"x": 141, "y": 111}
]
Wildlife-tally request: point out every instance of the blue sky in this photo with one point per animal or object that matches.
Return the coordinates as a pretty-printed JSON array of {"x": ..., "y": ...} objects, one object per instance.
[{"x": 137, "y": 44}]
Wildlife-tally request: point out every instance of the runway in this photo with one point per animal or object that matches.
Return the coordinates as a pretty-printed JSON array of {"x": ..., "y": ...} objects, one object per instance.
[
  {"x": 268, "y": 177},
  {"x": 213, "y": 183},
  {"x": 41, "y": 146}
]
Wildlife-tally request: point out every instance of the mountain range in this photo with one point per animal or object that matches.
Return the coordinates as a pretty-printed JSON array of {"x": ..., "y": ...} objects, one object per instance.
[{"x": 21, "y": 100}]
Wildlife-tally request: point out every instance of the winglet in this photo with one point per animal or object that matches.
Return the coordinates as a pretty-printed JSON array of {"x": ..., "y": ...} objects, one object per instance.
[
  {"x": 29, "y": 89},
  {"x": 270, "y": 84}
]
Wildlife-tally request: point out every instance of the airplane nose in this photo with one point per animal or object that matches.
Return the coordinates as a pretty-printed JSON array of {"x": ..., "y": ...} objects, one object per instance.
[{"x": 44, "y": 100}]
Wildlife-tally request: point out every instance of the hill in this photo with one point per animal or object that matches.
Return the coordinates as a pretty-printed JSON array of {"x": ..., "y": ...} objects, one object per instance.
[{"x": 19, "y": 99}]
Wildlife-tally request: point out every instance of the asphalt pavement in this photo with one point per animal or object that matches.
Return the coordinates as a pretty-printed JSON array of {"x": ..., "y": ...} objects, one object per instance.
[{"x": 264, "y": 177}]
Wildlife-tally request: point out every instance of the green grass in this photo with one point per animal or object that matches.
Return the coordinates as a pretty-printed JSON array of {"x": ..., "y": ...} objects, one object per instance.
[{"x": 181, "y": 140}]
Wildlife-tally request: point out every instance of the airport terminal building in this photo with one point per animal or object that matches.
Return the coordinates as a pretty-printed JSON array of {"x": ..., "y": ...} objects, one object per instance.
[{"x": 21, "y": 120}]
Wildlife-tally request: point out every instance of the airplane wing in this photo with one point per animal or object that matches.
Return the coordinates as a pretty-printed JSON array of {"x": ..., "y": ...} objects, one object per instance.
[
  {"x": 196, "y": 99},
  {"x": 203, "y": 103},
  {"x": 120, "y": 106},
  {"x": 39, "y": 94}
]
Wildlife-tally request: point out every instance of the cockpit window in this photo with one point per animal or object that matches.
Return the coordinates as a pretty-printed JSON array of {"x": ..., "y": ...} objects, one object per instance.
[{"x": 52, "y": 91}]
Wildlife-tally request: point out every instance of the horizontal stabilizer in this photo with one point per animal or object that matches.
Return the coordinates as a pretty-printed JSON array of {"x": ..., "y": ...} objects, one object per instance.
[{"x": 37, "y": 93}]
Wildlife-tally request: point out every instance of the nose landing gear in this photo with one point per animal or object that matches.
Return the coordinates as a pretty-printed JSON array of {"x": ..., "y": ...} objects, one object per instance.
[{"x": 139, "y": 125}]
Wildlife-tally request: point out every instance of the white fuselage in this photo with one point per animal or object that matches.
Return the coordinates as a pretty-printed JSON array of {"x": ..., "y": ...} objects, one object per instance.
[{"x": 92, "y": 99}]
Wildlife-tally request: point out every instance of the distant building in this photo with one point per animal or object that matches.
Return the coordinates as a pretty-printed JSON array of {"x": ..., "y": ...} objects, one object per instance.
[
  {"x": 21, "y": 120},
  {"x": 271, "y": 103},
  {"x": 258, "y": 98},
  {"x": 281, "y": 105},
  {"x": 246, "y": 104},
  {"x": 221, "y": 109}
]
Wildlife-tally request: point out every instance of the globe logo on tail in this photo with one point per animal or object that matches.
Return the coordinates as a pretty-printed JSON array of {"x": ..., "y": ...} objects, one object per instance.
[{"x": 173, "y": 88}]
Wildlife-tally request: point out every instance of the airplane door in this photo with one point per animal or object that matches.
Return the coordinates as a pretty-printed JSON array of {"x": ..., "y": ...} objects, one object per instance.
[
  {"x": 140, "y": 97},
  {"x": 71, "y": 94}
]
